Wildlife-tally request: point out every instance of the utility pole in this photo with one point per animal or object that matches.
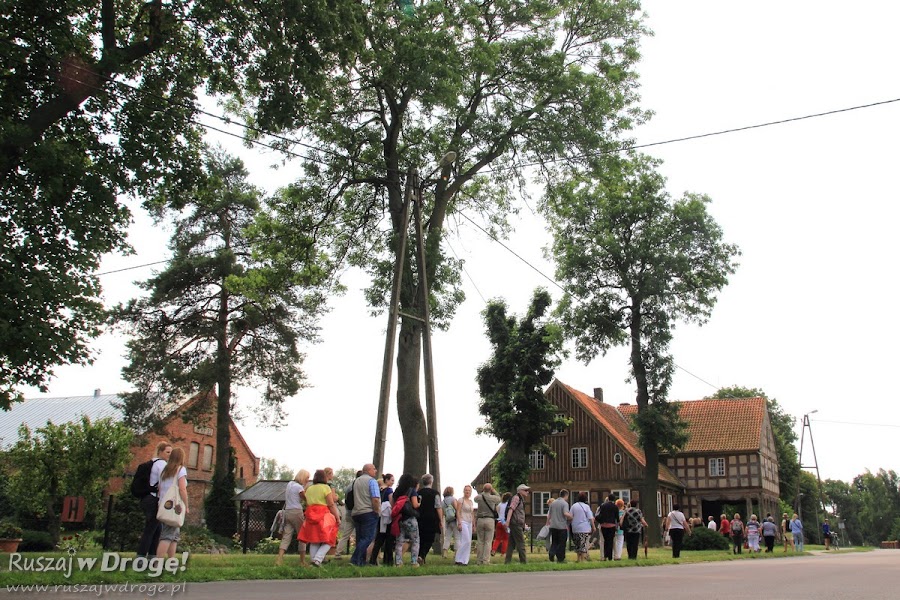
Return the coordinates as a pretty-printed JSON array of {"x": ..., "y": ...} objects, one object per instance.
[
  {"x": 815, "y": 465},
  {"x": 391, "y": 336},
  {"x": 414, "y": 193},
  {"x": 430, "y": 408}
]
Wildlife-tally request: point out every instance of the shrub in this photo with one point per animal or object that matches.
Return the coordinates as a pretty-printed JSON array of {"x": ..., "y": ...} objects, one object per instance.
[
  {"x": 36, "y": 541},
  {"x": 221, "y": 511},
  {"x": 126, "y": 522},
  {"x": 201, "y": 541},
  {"x": 9, "y": 530},
  {"x": 703, "y": 538}
]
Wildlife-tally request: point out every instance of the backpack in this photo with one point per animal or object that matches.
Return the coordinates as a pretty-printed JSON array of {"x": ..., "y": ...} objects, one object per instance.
[
  {"x": 737, "y": 527},
  {"x": 349, "y": 499},
  {"x": 140, "y": 483},
  {"x": 449, "y": 511}
]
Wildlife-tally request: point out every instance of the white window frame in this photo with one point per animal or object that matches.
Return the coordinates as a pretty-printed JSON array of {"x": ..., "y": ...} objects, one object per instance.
[
  {"x": 719, "y": 464},
  {"x": 625, "y": 495},
  {"x": 578, "y": 457},
  {"x": 537, "y": 460},
  {"x": 539, "y": 506},
  {"x": 669, "y": 503},
  {"x": 659, "y": 504}
]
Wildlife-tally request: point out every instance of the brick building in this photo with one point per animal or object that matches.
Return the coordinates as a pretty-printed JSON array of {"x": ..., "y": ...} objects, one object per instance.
[{"x": 197, "y": 438}]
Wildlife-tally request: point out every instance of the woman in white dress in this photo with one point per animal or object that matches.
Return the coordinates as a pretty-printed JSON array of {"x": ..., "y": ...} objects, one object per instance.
[{"x": 465, "y": 523}]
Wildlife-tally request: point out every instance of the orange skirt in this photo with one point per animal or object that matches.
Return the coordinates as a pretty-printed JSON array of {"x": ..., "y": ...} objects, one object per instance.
[{"x": 320, "y": 526}]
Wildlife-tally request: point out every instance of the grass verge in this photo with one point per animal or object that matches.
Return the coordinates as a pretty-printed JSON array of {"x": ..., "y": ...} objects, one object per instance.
[{"x": 53, "y": 567}]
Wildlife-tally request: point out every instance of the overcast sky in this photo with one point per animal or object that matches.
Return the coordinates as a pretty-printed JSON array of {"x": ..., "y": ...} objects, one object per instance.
[{"x": 811, "y": 203}]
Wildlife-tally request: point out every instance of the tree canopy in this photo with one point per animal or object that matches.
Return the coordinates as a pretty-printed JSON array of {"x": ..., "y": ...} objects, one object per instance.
[
  {"x": 635, "y": 262},
  {"x": 506, "y": 84},
  {"x": 229, "y": 309},
  {"x": 869, "y": 506},
  {"x": 525, "y": 353},
  {"x": 100, "y": 103}
]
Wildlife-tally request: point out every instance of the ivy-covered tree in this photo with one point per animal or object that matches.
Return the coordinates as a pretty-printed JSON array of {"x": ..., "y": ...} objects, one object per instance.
[
  {"x": 99, "y": 103},
  {"x": 512, "y": 86},
  {"x": 525, "y": 353},
  {"x": 229, "y": 309},
  {"x": 634, "y": 263},
  {"x": 71, "y": 459},
  {"x": 782, "y": 431}
]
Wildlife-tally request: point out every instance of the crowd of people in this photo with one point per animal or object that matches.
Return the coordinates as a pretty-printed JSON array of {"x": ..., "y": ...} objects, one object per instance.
[
  {"x": 390, "y": 519},
  {"x": 749, "y": 535}
]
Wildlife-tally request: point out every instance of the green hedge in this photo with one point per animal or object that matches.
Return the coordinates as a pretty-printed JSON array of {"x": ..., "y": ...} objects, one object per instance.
[
  {"x": 36, "y": 541},
  {"x": 703, "y": 538}
]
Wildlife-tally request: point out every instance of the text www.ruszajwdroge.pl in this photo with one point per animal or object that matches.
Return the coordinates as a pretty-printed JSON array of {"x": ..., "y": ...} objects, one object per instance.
[{"x": 100, "y": 589}]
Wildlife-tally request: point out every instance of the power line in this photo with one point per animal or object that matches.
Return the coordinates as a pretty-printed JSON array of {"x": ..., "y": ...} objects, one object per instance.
[
  {"x": 622, "y": 148},
  {"x": 558, "y": 285},
  {"x": 859, "y": 424}
]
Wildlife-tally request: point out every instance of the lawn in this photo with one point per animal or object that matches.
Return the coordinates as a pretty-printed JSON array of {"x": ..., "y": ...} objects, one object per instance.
[{"x": 51, "y": 567}]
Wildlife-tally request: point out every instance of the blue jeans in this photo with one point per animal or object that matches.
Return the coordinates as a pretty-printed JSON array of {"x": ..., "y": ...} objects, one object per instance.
[{"x": 366, "y": 528}]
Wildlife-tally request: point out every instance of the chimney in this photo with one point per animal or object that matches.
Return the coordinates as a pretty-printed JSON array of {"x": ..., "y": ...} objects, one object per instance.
[
  {"x": 96, "y": 392},
  {"x": 598, "y": 395}
]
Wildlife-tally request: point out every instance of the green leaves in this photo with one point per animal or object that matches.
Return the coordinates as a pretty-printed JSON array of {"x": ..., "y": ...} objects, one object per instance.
[
  {"x": 72, "y": 459},
  {"x": 526, "y": 352}
]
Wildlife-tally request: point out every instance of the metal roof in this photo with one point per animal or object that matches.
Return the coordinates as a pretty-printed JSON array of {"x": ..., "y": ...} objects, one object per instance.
[
  {"x": 267, "y": 491},
  {"x": 35, "y": 412}
]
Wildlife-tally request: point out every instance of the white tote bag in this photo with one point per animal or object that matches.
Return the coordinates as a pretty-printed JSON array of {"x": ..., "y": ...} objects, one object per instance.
[{"x": 171, "y": 507}]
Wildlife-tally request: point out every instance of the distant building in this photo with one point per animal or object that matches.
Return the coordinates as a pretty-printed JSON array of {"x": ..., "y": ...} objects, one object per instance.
[
  {"x": 197, "y": 438},
  {"x": 729, "y": 459}
]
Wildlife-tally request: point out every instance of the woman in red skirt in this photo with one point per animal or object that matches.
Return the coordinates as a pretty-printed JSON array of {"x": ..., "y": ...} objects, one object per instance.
[
  {"x": 320, "y": 528},
  {"x": 501, "y": 535}
]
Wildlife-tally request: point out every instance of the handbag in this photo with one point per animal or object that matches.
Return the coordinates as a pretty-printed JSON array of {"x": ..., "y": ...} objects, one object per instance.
[
  {"x": 171, "y": 508},
  {"x": 408, "y": 511},
  {"x": 544, "y": 533}
]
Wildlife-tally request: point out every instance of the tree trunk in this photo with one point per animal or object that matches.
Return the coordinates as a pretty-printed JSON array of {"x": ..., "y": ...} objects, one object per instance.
[
  {"x": 650, "y": 485},
  {"x": 223, "y": 381},
  {"x": 409, "y": 405}
]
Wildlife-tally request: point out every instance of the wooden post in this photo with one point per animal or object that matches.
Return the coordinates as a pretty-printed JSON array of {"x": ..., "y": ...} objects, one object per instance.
[
  {"x": 430, "y": 408},
  {"x": 391, "y": 336}
]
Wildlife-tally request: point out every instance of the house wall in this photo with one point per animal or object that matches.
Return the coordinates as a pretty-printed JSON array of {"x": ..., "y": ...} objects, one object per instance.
[{"x": 199, "y": 477}]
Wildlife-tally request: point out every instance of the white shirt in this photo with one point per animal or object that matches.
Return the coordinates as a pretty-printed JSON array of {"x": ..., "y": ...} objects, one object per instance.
[
  {"x": 165, "y": 484},
  {"x": 292, "y": 495},
  {"x": 155, "y": 471},
  {"x": 712, "y": 525}
]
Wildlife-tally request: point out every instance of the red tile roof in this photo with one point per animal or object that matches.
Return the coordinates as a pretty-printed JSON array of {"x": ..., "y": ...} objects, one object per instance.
[
  {"x": 714, "y": 425},
  {"x": 617, "y": 426}
]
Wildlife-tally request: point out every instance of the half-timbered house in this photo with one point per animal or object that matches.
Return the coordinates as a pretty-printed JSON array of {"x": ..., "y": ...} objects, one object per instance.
[{"x": 729, "y": 458}]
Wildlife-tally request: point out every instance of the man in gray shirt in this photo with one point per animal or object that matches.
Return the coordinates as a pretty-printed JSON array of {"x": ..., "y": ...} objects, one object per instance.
[
  {"x": 558, "y": 519},
  {"x": 486, "y": 522}
]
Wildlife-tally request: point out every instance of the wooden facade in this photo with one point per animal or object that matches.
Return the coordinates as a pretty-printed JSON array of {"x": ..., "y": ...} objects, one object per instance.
[
  {"x": 597, "y": 454},
  {"x": 730, "y": 458}
]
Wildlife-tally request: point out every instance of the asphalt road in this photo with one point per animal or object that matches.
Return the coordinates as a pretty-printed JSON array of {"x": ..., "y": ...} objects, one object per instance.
[{"x": 825, "y": 576}]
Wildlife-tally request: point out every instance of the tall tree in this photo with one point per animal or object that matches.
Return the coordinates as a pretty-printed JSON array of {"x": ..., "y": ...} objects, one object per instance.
[
  {"x": 784, "y": 434},
  {"x": 869, "y": 506},
  {"x": 229, "y": 309},
  {"x": 506, "y": 84},
  {"x": 99, "y": 102},
  {"x": 634, "y": 263},
  {"x": 525, "y": 353},
  {"x": 72, "y": 459}
]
